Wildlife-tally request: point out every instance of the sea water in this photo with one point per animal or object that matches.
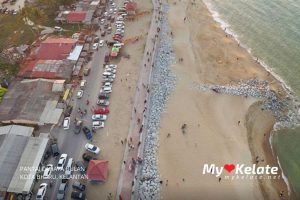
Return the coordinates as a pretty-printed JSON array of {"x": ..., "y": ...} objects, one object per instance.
[{"x": 270, "y": 31}]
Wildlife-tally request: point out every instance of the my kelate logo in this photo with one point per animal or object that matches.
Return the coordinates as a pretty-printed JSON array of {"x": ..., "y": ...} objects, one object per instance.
[{"x": 239, "y": 169}]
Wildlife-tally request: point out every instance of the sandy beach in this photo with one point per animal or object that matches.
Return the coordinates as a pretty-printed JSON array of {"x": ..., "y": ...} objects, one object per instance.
[
  {"x": 221, "y": 129},
  {"x": 117, "y": 125}
]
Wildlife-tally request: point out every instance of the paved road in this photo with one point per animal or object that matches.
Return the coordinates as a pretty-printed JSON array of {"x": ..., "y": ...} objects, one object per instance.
[{"x": 68, "y": 142}]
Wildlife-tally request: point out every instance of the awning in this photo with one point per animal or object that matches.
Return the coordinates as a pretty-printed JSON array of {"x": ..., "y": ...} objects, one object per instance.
[
  {"x": 97, "y": 170},
  {"x": 66, "y": 94}
]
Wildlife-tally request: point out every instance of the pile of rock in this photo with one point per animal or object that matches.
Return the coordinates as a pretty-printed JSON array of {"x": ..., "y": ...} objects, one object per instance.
[
  {"x": 162, "y": 84},
  {"x": 283, "y": 109}
]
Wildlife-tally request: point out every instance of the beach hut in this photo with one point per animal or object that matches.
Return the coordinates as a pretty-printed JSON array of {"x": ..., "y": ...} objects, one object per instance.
[{"x": 97, "y": 170}]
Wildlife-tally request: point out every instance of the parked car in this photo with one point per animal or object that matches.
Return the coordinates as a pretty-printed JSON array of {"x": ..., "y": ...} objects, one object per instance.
[
  {"x": 87, "y": 157},
  {"x": 107, "y": 90},
  {"x": 95, "y": 46},
  {"x": 106, "y": 73},
  {"x": 62, "y": 161},
  {"x": 81, "y": 166},
  {"x": 66, "y": 124},
  {"x": 103, "y": 102},
  {"x": 107, "y": 79},
  {"x": 78, "y": 127},
  {"x": 79, "y": 94},
  {"x": 107, "y": 84},
  {"x": 79, "y": 186},
  {"x": 54, "y": 149},
  {"x": 111, "y": 70},
  {"x": 102, "y": 21},
  {"x": 103, "y": 33},
  {"x": 113, "y": 66},
  {"x": 109, "y": 30},
  {"x": 78, "y": 195},
  {"x": 41, "y": 192},
  {"x": 97, "y": 124},
  {"x": 101, "y": 110},
  {"x": 101, "y": 43},
  {"x": 103, "y": 95},
  {"x": 87, "y": 132},
  {"x": 99, "y": 117},
  {"x": 92, "y": 148},
  {"x": 48, "y": 171},
  {"x": 61, "y": 191}
]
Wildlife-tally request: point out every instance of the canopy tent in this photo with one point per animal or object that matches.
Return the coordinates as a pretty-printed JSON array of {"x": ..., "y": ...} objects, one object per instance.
[{"x": 97, "y": 170}]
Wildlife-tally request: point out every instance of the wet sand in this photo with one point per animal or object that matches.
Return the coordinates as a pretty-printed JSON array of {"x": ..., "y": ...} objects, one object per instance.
[{"x": 214, "y": 134}]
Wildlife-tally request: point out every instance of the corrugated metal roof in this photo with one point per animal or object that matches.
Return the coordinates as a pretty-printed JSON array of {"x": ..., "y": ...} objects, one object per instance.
[
  {"x": 22, "y": 180},
  {"x": 74, "y": 55},
  {"x": 76, "y": 16},
  {"x": 11, "y": 150}
]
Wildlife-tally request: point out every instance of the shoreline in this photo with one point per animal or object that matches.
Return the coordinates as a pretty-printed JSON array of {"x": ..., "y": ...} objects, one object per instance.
[
  {"x": 226, "y": 28},
  {"x": 256, "y": 71}
]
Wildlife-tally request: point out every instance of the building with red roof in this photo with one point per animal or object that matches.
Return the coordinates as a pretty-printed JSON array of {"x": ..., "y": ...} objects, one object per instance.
[
  {"x": 97, "y": 170},
  {"x": 131, "y": 7},
  {"x": 76, "y": 16},
  {"x": 55, "y": 48},
  {"x": 51, "y": 60}
]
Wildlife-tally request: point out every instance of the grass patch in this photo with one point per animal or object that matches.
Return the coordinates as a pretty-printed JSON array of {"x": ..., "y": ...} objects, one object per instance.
[
  {"x": 8, "y": 70},
  {"x": 15, "y": 32}
]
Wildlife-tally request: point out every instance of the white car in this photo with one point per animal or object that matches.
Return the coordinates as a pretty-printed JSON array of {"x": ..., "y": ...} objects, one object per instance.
[
  {"x": 111, "y": 70},
  {"x": 112, "y": 66},
  {"x": 47, "y": 171},
  {"x": 105, "y": 73},
  {"x": 79, "y": 94},
  {"x": 62, "y": 161},
  {"x": 124, "y": 15},
  {"x": 115, "y": 9},
  {"x": 97, "y": 124},
  {"x": 113, "y": 4},
  {"x": 106, "y": 90},
  {"x": 41, "y": 192},
  {"x": 111, "y": 11},
  {"x": 107, "y": 84},
  {"x": 95, "y": 46},
  {"x": 101, "y": 43},
  {"x": 120, "y": 30},
  {"x": 119, "y": 25},
  {"x": 92, "y": 148},
  {"x": 99, "y": 117},
  {"x": 102, "y": 21},
  {"x": 107, "y": 80},
  {"x": 103, "y": 102},
  {"x": 66, "y": 124}
]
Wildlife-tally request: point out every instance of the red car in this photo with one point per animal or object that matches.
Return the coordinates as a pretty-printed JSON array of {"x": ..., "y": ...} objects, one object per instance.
[{"x": 101, "y": 110}]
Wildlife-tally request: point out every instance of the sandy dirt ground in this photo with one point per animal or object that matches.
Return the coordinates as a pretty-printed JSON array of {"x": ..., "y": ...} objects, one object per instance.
[
  {"x": 214, "y": 134},
  {"x": 121, "y": 100}
]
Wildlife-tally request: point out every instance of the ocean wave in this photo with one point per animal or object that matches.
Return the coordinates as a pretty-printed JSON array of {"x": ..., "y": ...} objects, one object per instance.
[{"x": 227, "y": 29}]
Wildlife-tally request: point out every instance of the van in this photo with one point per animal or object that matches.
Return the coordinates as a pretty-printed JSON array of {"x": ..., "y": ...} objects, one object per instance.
[
  {"x": 82, "y": 84},
  {"x": 68, "y": 171},
  {"x": 54, "y": 149}
]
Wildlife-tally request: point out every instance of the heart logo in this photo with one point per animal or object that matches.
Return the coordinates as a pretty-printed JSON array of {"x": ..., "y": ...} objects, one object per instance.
[{"x": 230, "y": 167}]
